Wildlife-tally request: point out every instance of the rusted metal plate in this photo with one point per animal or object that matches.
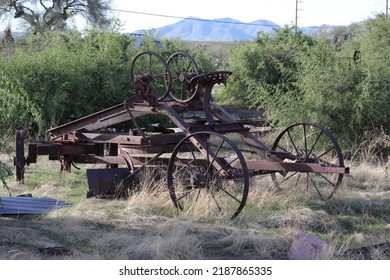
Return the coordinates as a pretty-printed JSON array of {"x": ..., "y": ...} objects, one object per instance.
[
  {"x": 37, "y": 149},
  {"x": 293, "y": 167},
  {"x": 111, "y": 138},
  {"x": 28, "y": 205},
  {"x": 108, "y": 181},
  {"x": 221, "y": 128},
  {"x": 105, "y": 118},
  {"x": 126, "y": 139}
]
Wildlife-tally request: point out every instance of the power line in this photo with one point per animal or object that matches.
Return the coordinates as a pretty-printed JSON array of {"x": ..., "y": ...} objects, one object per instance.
[
  {"x": 195, "y": 19},
  {"x": 216, "y": 21}
]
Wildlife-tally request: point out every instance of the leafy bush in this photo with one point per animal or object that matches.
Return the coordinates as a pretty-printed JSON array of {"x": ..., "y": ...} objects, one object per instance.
[
  {"x": 344, "y": 87},
  {"x": 265, "y": 70},
  {"x": 65, "y": 77}
]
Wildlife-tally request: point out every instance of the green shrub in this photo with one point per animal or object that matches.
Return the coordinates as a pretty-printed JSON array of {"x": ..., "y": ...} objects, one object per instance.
[
  {"x": 296, "y": 78},
  {"x": 68, "y": 76}
]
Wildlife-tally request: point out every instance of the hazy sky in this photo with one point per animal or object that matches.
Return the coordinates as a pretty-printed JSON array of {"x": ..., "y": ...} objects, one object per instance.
[
  {"x": 310, "y": 12},
  {"x": 136, "y": 15}
]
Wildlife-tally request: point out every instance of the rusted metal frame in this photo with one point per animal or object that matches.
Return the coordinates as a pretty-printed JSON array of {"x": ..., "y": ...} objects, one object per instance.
[
  {"x": 258, "y": 146},
  {"x": 264, "y": 167},
  {"x": 126, "y": 139},
  {"x": 212, "y": 159},
  {"x": 206, "y": 103},
  {"x": 142, "y": 166},
  {"x": 32, "y": 153},
  {"x": 175, "y": 117},
  {"x": 151, "y": 149},
  {"x": 293, "y": 167},
  {"x": 115, "y": 138},
  {"x": 38, "y": 149},
  {"x": 247, "y": 137},
  {"x": 132, "y": 169},
  {"x": 220, "y": 128},
  {"x": 98, "y": 159},
  {"x": 101, "y": 119},
  {"x": 85, "y": 122},
  {"x": 137, "y": 160},
  {"x": 134, "y": 120},
  {"x": 198, "y": 143}
]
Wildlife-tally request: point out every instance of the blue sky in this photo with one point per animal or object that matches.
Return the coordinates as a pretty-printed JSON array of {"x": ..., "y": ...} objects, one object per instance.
[
  {"x": 310, "y": 12},
  {"x": 135, "y": 15}
]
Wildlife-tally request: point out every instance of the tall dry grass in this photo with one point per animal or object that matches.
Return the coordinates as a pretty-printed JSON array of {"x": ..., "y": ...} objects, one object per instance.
[{"x": 147, "y": 225}]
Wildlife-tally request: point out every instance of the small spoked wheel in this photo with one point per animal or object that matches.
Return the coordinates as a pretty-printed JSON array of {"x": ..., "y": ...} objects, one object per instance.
[
  {"x": 152, "y": 64},
  {"x": 19, "y": 160},
  {"x": 208, "y": 175},
  {"x": 183, "y": 68},
  {"x": 309, "y": 143}
]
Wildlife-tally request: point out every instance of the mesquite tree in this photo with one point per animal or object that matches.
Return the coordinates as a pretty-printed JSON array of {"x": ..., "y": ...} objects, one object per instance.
[{"x": 40, "y": 15}]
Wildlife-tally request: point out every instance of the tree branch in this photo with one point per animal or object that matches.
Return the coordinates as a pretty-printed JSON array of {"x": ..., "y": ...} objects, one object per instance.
[{"x": 42, "y": 4}]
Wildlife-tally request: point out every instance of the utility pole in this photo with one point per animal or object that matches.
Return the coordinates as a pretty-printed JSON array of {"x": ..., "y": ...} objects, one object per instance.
[
  {"x": 296, "y": 14},
  {"x": 387, "y": 8}
]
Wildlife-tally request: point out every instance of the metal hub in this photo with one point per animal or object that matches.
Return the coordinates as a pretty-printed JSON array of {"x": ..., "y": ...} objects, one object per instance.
[
  {"x": 182, "y": 77},
  {"x": 198, "y": 181}
]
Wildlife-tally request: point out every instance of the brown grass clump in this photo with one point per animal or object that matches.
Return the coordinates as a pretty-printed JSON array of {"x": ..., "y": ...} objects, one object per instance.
[{"x": 147, "y": 225}]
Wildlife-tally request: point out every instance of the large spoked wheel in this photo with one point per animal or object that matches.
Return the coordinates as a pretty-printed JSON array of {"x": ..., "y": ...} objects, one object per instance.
[
  {"x": 183, "y": 68},
  {"x": 309, "y": 143},
  {"x": 151, "y": 63},
  {"x": 208, "y": 175},
  {"x": 19, "y": 160}
]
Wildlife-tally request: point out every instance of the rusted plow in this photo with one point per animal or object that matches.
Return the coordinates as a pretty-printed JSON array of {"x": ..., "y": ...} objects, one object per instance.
[{"x": 211, "y": 160}]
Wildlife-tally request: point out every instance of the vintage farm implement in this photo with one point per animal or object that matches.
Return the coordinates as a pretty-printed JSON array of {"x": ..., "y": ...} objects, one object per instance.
[{"x": 211, "y": 159}]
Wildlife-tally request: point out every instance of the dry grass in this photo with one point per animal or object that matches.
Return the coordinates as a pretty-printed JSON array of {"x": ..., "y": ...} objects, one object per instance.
[{"x": 148, "y": 226}]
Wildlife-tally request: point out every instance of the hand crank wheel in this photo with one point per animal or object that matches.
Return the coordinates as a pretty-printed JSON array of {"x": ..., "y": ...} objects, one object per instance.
[
  {"x": 183, "y": 68},
  {"x": 152, "y": 64},
  {"x": 207, "y": 174},
  {"x": 309, "y": 143}
]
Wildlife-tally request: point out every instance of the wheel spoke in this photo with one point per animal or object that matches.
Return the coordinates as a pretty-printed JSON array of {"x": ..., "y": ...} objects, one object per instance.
[
  {"x": 315, "y": 143},
  {"x": 288, "y": 178},
  {"x": 292, "y": 142},
  {"x": 315, "y": 186},
  {"x": 151, "y": 63},
  {"x": 181, "y": 65},
  {"x": 191, "y": 147},
  {"x": 206, "y": 172},
  {"x": 185, "y": 194},
  {"x": 214, "y": 156},
  {"x": 216, "y": 201},
  {"x": 326, "y": 152},
  {"x": 326, "y": 179},
  {"x": 305, "y": 140},
  {"x": 229, "y": 194},
  {"x": 318, "y": 146}
]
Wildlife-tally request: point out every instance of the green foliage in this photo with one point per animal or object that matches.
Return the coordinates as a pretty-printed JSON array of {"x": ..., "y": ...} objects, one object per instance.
[
  {"x": 5, "y": 170},
  {"x": 55, "y": 78},
  {"x": 15, "y": 111},
  {"x": 265, "y": 70},
  {"x": 68, "y": 76}
]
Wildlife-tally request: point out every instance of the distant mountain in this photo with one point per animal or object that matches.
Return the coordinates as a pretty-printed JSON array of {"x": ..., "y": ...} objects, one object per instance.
[
  {"x": 317, "y": 29},
  {"x": 223, "y": 29}
]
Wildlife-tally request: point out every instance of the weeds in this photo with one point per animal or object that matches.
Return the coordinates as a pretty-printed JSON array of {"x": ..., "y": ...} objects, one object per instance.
[{"x": 147, "y": 225}]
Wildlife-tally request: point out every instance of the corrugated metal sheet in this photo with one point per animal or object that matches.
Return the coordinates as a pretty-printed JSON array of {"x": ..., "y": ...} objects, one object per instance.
[{"x": 28, "y": 205}]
